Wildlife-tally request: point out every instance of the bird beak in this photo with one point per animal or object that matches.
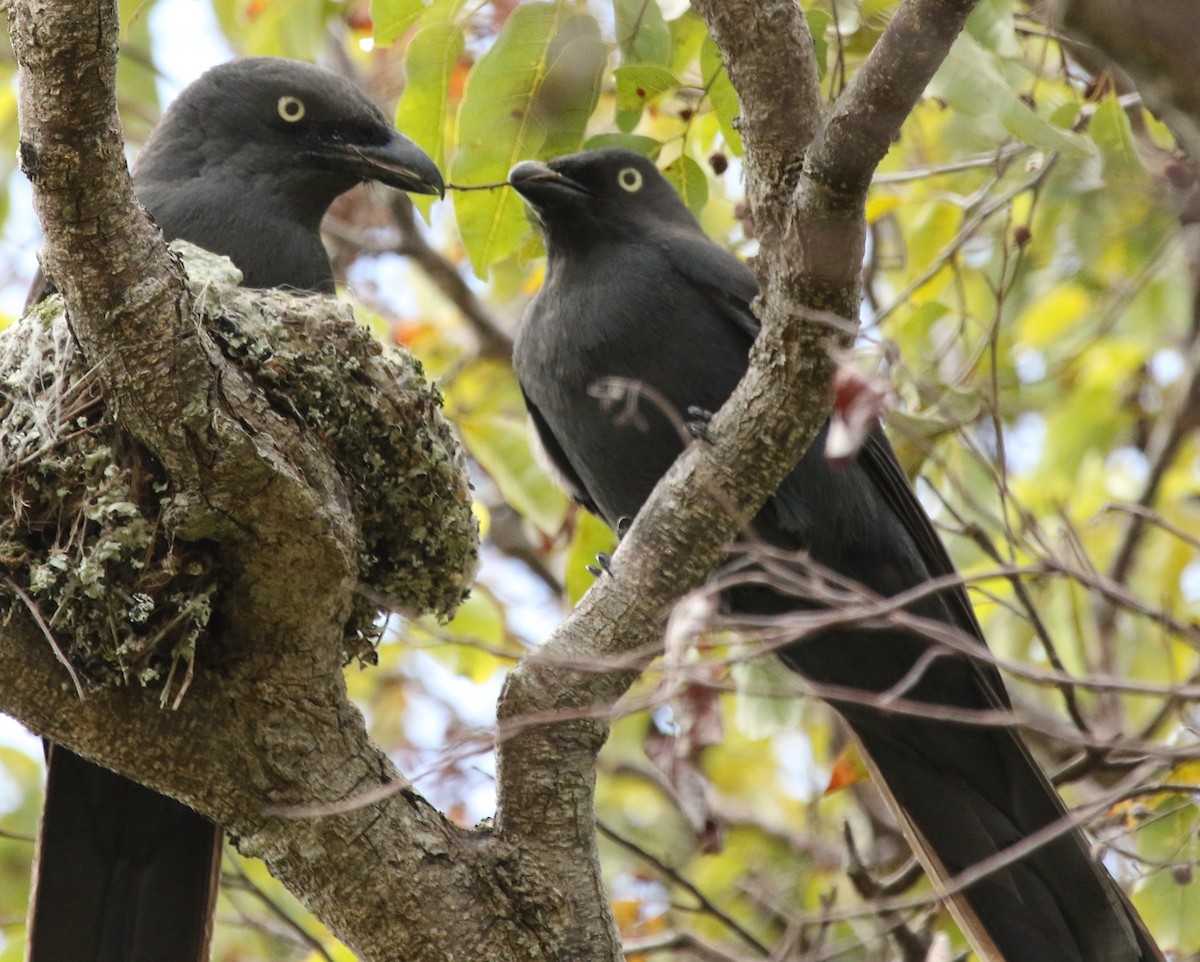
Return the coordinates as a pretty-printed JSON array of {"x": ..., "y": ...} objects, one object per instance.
[
  {"x": 398, "y": 163},
  {"x": 541, "y": 185}
]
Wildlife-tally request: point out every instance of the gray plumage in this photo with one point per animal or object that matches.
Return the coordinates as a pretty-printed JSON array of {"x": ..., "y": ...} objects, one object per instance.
[{"x": 634, "y": 289}]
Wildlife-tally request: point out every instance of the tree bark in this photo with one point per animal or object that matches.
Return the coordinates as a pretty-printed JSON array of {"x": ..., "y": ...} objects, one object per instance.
[{"x": 265, "y": 730}]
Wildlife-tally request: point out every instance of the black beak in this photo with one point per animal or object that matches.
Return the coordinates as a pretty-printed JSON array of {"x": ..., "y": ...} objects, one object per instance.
[
  {"x": 541, "y": 185},
  {"x": 398, "y": 163}
]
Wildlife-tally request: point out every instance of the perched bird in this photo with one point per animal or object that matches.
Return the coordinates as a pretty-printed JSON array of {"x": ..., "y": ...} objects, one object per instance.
[
  {"x": 635, "y": 290},
  {"x": 245, "y": 163}
]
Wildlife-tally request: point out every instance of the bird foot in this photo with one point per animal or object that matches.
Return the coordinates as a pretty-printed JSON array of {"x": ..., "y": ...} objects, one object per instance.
[
  {"x": 698, "y": 420},
  {"x": 603, "y": 566}
]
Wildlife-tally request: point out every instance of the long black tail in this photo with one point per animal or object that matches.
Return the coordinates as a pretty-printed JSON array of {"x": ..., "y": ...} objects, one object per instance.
[
  {"x": 122, "y": 874},
  {"x": 971, "y": 794},
  {"x": 1055, "y": 903}
]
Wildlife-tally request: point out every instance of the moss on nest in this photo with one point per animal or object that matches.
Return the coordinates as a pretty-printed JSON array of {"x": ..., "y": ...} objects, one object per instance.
[{"x": 83, "y": 543}]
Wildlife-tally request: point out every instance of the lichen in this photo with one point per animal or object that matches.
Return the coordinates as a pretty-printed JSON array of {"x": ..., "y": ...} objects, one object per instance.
[{"x": 86, "y": 544}]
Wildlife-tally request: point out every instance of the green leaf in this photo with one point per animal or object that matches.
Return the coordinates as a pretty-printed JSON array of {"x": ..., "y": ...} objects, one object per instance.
[
  {"x": 819, "y": 22},
  {"x": 295, "y": 29},
  {"x": 1113, "y": 134},
  {"x": 688, "y": 34},
  {"x": 970, "y": 82},
  {"x": 689, "y": 179},
  {"x": 646, "y": 146},
  {"x": 422, "y": 111},
  {"x": 478, "y": 618},
  {"x": 1167, "y": 900},
  {"x": 137, "y": 80},
  {"x": 571, "y": 88},
  {"x": 627, "y": 120},
  {"x": 759, "y": 715},
  {"x": 642, "y": 33},
  {"x": 639, "y": 84},
  {"x": 721, "y": 94},
  {"x": 392, "y": 18},
  {"x": 991, "y": 24},
  {"x": 501, "y": 445},
  {"x": 530, "y": 95},
  {"x": 592, "y": 536}
]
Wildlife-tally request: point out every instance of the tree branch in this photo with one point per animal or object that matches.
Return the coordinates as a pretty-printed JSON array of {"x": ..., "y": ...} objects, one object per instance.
[
  {"x": 265, "y": 725},
  {"x": 546, "y": 771}
]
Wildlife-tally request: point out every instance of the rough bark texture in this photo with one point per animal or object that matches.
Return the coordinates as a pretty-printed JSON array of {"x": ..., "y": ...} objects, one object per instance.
[
  {"x": 265, "y": 723},
  {"x": 268, "y": 724},
  {"x": 811, "y": 228}
]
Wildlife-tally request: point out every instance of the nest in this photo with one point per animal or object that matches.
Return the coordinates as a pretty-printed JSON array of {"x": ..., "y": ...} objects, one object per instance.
[{"x": 84, "y": 545}]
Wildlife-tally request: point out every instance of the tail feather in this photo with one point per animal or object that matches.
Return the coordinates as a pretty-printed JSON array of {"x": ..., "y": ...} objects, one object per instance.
[
  {"x": 122, "y": 873},
  {"x": 1054, "y": 903}
]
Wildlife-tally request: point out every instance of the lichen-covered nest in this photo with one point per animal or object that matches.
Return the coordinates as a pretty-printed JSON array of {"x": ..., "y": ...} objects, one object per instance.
[{"x": 83, "y": 542}]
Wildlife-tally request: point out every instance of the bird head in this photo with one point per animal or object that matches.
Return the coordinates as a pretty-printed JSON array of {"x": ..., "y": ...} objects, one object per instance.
[
  {"x": 299, "y": 132},
  {"x": 598, "y": 193}
]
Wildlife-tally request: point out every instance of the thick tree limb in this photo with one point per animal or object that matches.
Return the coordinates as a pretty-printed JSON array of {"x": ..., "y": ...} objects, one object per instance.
[
  {"x": 421, "y": 888},
  {"x": 265, "y": 724},
  {"x": 802, "y": 213}
]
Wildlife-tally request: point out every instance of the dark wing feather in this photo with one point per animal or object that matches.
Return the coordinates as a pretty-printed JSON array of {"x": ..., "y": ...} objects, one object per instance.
[
  {"x": 879, "y": 461},
  {"x": 728, "y": 281},
  {"x": 557, "y": 461}
]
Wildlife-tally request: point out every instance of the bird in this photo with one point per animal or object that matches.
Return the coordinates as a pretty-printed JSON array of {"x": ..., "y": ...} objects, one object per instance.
[
  {"x": 245, "y": 163},
  {"x": 635, "y": 290}
]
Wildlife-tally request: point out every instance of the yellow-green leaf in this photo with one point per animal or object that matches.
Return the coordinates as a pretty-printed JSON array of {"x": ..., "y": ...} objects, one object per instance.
[
  {"x": 592, "y": 536},
  {"x": 689, "y": 179},
  {"x": 970, "y": 83},
  {"x": 647, "y": 146},
  {"x": 819, "y": 22},
  {"x": 1052, "y": 314},
  {"x": 529, "y": 96},
  {"x": 639, "y": 84},
  {"x": 1111, "y": 130},
  {"x": 642, "y": 33},
  {"x": 721, "y": 94},
  {"x": 422, "y": 111},
  {"x": 501, "y": 445},
  {"x": 392, "y": 18}
]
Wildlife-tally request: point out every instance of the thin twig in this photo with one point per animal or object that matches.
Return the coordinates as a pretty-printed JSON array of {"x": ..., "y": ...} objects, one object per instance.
[{"x": 41, "y": 623}]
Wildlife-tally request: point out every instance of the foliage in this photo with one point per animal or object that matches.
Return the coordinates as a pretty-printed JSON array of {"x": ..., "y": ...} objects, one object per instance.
[{"x": 1028, "y": 297}]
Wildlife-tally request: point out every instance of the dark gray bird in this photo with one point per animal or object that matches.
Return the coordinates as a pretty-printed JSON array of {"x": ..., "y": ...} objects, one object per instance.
[
  {"x": 244, "y": 163},
  {"x": 635, "y": 290}
]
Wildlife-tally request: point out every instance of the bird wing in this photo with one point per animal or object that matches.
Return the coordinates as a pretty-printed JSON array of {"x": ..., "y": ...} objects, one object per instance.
[
  {"x": 725, "y": 278},
  {"x": 732, "y": 287},
  {"x": 554, "y": 458},
  {"x": 879, "y": 461}
]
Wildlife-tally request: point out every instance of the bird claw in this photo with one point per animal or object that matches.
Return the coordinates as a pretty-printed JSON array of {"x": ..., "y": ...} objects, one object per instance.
[
  {"x": 698, "y": 420},
  {"x": 624, "y": 523},
  {"x": 603, "y": 565}
]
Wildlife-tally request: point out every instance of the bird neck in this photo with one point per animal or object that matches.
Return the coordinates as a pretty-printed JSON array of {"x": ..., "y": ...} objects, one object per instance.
[{"x": 272, "y": 242}]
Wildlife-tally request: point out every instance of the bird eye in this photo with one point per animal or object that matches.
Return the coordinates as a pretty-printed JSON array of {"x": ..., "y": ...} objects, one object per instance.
[
  {"x": 290, "y": 109},
  {"x": 630, "y": 178}
]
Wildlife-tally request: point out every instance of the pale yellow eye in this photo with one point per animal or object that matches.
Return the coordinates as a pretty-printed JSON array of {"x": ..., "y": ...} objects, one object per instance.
[
  {"x": 630, "y": 179},
  {"x": 290, "y": 109}
]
